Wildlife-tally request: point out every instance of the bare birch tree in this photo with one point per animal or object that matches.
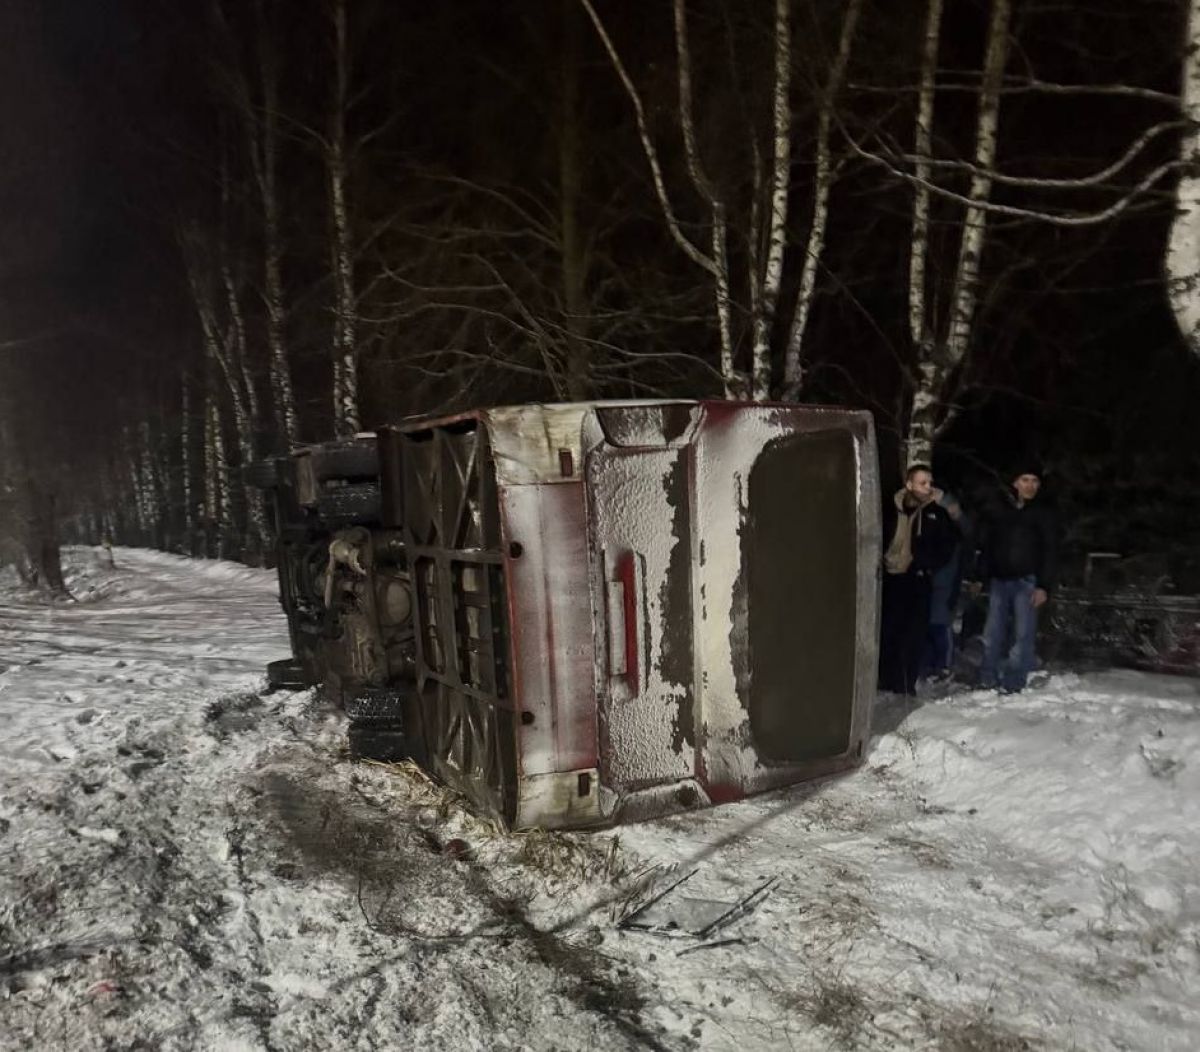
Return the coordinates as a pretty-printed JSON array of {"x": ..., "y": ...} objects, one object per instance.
[
  {"x": 942, "y": 350},
  {"x": 938, "y": 358},
  {"x": 1183, "y": 249},
  {"x": 352, "y": 231},
  {"x": 187, "y": 463},
  {"x": 919, "y": 329},
  {"x": 264, "y": 153},
  {"x": 823, "y": 180},
  {"x": 216, "y": 474},
  {"x": 346, "y": 415},
  {"x": 764, "y": 284},
  {"x": 767, "y": 225},
  {"x": 254, "y": 98},
  {"x": 152, "y": 503},
  {"x": 142, "y": 471},
  {"x": 224, "y": 345}
]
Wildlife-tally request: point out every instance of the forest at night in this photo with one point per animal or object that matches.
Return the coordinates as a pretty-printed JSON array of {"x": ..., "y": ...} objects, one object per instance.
[{"x": 230, "y": 228}]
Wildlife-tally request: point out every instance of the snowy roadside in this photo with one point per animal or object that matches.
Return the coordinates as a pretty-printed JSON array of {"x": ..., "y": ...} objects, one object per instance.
[{"x": 192, "y": 864}]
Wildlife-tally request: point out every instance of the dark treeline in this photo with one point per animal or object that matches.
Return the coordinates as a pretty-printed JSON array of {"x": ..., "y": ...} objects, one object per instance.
[{"x": 236, "y": 226}]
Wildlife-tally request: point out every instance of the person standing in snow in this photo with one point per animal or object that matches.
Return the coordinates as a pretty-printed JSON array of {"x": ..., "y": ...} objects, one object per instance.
[
  {"x": 944, "y": 591},
  {"x": 1019, "y": 545},
  {"x": 920, "y": 539}
]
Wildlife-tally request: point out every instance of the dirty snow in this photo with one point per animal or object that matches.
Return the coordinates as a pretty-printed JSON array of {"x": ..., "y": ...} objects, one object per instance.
[{"x": 190, "y": 863}]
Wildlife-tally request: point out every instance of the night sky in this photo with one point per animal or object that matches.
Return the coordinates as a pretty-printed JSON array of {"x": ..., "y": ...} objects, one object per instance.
[{"x": 116, "y": 117}]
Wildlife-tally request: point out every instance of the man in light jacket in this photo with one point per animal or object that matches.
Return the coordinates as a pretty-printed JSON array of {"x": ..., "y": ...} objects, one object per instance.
[{"x": 920, "y": 538}]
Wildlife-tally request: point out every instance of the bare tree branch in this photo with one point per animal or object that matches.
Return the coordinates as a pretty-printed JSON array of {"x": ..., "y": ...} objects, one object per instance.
[
  {"x": 1053, "y": 218},
  {"x": 693, "y": 253},
  {"x": 1034, "y": 86},
  {"x": 924, "y": 162}
]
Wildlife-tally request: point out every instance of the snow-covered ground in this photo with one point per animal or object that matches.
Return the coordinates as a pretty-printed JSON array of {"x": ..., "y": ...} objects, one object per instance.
[{"x": 189, "y": 863}]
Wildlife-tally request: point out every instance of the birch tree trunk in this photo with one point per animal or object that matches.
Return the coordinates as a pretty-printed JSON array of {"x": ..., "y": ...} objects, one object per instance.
[
  {"x": 132, "y": 471},
  {"x": 264, "y": 136},
  {"x": 238, "y": 348},
  {"x": 735, "y": 382},
  {"x": 228, "y": 355},
  {"x": 346, "y": 418},
  {"x": 108, "y": 525},
  {"x": 281, "y": 374},
  {"x": 793, "y": 369},
  {"x": 235, "y": 366},
  {"x": 216, "y": 484},
  {"x": 113, "y": 504},
  {"x": 129, "y": 470},
  {"x": 186, "y": 465},
  {"x": 256, "y": 106},
  {"x": 149, "y": 497},
  {"x": 212, "y": 510},
  {"x": 256, "y": 533},
  {"x": 245, "y": 404},
  {"x": 168, "y": 484},
  {"x": 719, "y": 237},
  {"x": 918, "y": 320},
  {"x": 1183, "y": 248},
  {"x": 765, "y": 301},
  {"x": 935, "y": 369}
]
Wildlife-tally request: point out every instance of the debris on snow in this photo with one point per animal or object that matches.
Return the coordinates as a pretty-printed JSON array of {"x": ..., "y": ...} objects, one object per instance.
[{"x": 107, "y": 836}]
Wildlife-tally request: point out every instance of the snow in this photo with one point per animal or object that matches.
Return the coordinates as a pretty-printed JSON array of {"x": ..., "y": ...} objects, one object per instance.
[
  {"x": 190, "y": 863},
  {"x": 635, "y": 515}
]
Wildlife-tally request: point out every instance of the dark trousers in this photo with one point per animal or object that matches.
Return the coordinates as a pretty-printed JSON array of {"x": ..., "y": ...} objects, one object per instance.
[
  {"x": 939, "y": 650},
  {"x": 903, "y": 626}
]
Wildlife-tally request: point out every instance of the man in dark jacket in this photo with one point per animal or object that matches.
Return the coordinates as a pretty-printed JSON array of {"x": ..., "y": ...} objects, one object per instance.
[
  {"x": 920, "y": 539},
  {"x": 945, "y": 587},
  {"x": 1019, "y": 544}
]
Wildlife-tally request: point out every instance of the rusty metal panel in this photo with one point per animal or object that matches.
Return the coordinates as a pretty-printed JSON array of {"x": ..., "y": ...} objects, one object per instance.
[
  {"x": 533, "y": 443},
  {"x": 648, "y": 425},
  {"x": 452, "y": 542},
  {"x": 553, "y": 646}
]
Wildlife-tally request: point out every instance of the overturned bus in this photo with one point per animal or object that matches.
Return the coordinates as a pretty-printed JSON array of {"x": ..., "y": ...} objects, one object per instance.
[{"x": 588, "y": 613}]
